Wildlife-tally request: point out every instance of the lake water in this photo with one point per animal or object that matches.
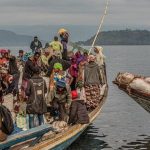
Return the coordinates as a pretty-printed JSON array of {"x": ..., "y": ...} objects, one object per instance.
[{"x": 122, "y": 124}]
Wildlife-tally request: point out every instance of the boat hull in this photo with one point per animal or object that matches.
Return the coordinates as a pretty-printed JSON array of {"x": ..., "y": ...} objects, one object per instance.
[
  {"x": 62, "y": 140},
  {"x": 143, "y": 101}
]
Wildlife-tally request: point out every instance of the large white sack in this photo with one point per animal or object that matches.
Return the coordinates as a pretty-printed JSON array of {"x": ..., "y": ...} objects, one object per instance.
[
  {"x": 140, "y": 85},
  {"x": 125, "y": 78},
  {"x": 147, "y": 79}
]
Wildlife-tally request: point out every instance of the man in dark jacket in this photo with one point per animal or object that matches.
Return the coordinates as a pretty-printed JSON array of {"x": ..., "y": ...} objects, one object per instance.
[
  {"x": 13, "y": 70},
  {"x": 30, "y": 67},
  {"x": 78, "y": 112},
  {"x": 36, "y": 105},
  {"x": 35, "y": 45}
]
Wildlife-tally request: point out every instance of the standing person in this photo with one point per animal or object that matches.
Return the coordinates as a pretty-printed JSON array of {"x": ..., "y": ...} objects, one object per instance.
[
  {"x": 73, "y": 70},
  {"x": 13, "y": 70},
  {"x": 4, "y": 58},
  {"x": 36, "y": 104},
  {"x": 92, "y": 82},
  {"x": 64, "y": 40},
  {"x": 1, "y": 91},
  {"x": 100, "y": 61},
  {"x": 60, "y": 92},
  {"x": 99, "y": 55},
  {"x": 56, "y": 59},
  {"x": 36, "y": 45},
  {"x": 61, "y": 99},
  {"x": 20, "y": 58},
  {"x": 44, "y": 60},
  {"x": 36, "y": 59},
  {"x": 79, "y": 57},
  {"x": 29, "y": 68},
  {"x": 56, "y": 46}
]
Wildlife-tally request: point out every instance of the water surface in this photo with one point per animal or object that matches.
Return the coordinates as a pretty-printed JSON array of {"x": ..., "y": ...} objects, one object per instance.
[{"x": 122, "y": 124}]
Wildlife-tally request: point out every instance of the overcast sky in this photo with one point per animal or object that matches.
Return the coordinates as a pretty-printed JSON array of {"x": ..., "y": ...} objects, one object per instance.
[{"x": 75, "y": 12}]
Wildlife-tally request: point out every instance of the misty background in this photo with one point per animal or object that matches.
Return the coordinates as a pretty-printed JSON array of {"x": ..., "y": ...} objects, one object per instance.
[{"x": 80, "y": 17}]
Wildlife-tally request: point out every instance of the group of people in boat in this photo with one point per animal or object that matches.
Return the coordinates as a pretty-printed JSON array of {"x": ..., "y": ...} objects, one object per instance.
[{"x": 54, "y": 84}]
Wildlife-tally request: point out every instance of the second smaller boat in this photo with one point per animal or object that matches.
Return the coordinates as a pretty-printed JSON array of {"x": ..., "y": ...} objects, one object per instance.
[{"x": 138, "y": 87}]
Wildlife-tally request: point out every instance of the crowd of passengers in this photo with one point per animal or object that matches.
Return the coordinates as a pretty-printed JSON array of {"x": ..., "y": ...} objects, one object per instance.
[{"x": 72, "y": 85}]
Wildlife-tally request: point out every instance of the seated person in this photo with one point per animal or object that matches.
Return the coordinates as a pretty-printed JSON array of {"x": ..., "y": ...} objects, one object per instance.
[{"x": 78, "y": 112}]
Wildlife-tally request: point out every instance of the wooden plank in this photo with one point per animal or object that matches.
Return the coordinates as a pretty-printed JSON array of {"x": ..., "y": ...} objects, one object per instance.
[{"x": 25, "y": 135}]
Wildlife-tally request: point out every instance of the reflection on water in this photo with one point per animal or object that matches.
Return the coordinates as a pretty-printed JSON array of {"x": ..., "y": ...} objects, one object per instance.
[
  {"x": 143, "y": 144},
  {"x": 89, "y": 140}
]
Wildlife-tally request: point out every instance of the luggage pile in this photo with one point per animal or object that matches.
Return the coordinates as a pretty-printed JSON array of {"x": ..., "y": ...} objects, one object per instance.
[{"x": 133, "y": 83}]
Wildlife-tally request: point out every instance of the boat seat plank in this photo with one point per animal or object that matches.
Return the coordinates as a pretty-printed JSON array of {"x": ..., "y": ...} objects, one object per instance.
[{"x": 26, "y": 135}]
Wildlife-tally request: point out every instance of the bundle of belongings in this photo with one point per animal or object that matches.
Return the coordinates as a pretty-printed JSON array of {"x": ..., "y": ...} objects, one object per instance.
[
  {"x": 137, "y": 84},
  {"x": 6, "y": 123}
]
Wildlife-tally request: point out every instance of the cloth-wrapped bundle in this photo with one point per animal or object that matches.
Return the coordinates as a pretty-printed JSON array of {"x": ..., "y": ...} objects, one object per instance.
[
  {"x": 140, "y": 85},
  {"x": 125, "y": 78}
]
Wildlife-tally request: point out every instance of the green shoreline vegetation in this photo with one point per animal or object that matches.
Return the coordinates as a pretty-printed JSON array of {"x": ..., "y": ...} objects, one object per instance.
[
  {"x": 120, "y": 37},
  {"x": 114, "y": 37}
]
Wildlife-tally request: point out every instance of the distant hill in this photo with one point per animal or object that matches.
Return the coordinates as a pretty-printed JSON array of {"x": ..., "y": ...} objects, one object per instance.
[
  {"x": 120, "y": 37},
  {"x": 8, "y": 38}
]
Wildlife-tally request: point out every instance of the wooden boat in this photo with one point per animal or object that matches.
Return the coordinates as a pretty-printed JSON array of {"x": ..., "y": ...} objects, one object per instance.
[
  {"x": 44, "y": 137},
  {"x": 141, "y": 98}
]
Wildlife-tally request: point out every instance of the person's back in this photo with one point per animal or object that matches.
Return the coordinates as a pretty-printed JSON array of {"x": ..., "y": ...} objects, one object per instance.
[
  {"x": 45, "y": 57},
  {"x": 13, "y": 69},
  {"x": 36, "y": 91},
  {"x": 78, "y": 111},
  {"x": 92, "y": 74},
  {"x": 36, "y": 103},
  {"x": 56, "y": 45}
]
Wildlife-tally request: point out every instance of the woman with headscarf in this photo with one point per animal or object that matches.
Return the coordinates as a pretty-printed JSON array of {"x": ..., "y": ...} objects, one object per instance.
[
  {"x": 99, "y": 55},
  {"x": 92, "y": 83}
]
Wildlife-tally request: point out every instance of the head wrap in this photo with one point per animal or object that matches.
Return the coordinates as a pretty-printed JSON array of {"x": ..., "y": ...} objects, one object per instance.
[
  {"x": 91, "y": 58},
  {"x": 58, "y": 66},
  {"x": 99, "y": 48},
  {"x": 74, "y": 94},
  {"x": 61, "y": 31},
  {"x": 3, "y": 51}
]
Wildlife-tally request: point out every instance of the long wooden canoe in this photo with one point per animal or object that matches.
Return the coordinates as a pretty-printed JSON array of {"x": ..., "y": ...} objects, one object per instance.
[
  {"x": 141, "y": 99},
  {"x": 36, "y": 139}
]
